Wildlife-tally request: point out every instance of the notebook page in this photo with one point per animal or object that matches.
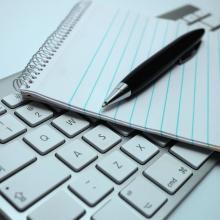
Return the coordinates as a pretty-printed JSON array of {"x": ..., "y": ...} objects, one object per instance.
[{"x": 106, "y": 45}]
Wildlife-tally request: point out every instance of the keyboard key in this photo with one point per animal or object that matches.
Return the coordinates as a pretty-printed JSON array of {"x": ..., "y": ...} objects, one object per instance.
[
  {"x": 117, "y": 167},
  {"x": 13, "y": 100},
  {"x": 44, "y": 139},
  {"x": 115, "y": 209},
  {"x": 140, "y": 149},
  {"x": 14, "y": 157},
  {"x": 34, "y": 113},
  {"x": 70, "y": 124},
  {"x": 102, "y": 138},
  {"x": 67, "y": 206},
  {"x": 146, "y": 205},
  {"x": 158, "y": 140},
  {"x": 92, "y": 187},
  {"x": 77, "y": 155},
  {"x": 193, "y": 156},
  {"x": 169, "y": 173},
  {"x": 122, "y": 130},
  {"x": 10, "y": 128},
  {"x": 2, "y": 110},
  {"x": 34, "y": 182}
]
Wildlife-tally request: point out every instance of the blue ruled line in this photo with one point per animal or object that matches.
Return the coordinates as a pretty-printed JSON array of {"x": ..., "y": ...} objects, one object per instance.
[
  {"x": 155, "y": 28},
  {"x": 167, "y": 89},
  {"x": 207, "y": 107},
  {"x": 194, "y": 96},
  {"x": 107, "y": 59},
  {"x": 120, "y": 60},
  {"x": 219, "y": 52},
  {"x": 133, "y": 62},
  {"x": 94, "y": 56},
  {"x": 133, "y": 28},
  {"x": 152, "y": 93},
  {"x": 180, "y": 98}
]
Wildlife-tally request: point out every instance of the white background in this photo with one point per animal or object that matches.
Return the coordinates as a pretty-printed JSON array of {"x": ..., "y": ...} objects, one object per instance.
[{"x": 24, "y": 26}]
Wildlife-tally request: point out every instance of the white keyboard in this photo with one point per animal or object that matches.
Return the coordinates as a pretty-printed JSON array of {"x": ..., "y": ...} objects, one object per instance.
[{"x": 65, "y": 166}]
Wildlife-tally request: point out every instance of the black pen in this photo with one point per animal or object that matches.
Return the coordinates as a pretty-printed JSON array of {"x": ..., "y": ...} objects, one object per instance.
[{"x": 177, "y": 52}]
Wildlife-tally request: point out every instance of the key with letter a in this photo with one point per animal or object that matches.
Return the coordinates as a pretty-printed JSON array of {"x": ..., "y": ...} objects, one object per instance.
[{"x": 77, "y": 155}]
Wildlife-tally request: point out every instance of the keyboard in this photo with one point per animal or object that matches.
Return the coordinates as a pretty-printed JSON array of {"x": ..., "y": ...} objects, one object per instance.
[{"x": 61, "y": 165}]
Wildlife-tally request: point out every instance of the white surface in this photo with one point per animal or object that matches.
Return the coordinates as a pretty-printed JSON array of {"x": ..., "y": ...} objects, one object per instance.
[
  {"x": 70, "y": 124},
  {"x": 68, "y": 210},
  {"x": 77, "y": 155},
  {"x": 31, "y": 29},
  {"x": 168, "y": 172},
  {"x": 203, "y": 202},
  {"x": 17, "y": 161},
  {"x": 13, "y": 100},
  {"x": 25, "y": 25},
  {"x": 34, "y": 113},
  {"x": 42, "y": 178},
  {"x": 182, "y": 104},
  {"x": 140, "y": 149},
  {"x": 44, "y": 139},
  {"x": 147, "y": 205},
  {"x": 193, "y": 158},
  {"x": 10, "y": 128},
  {"x": 102, "y": 138},
  {"x": 91, "y": 187}
]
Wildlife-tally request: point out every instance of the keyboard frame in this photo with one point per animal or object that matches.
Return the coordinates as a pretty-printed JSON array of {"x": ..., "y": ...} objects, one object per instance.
[{"x": 7, "y": 211}]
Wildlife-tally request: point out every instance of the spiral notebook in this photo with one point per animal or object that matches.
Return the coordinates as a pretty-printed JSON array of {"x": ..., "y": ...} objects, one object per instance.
[{"x": 96, "y": 46}]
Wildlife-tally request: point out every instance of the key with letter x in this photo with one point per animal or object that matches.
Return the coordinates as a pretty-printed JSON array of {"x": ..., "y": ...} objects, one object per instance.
[{"x": 140, "y": 149}]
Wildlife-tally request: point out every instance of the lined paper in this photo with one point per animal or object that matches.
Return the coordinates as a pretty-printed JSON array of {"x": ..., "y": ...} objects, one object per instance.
[{"x": 105, "y": 46}]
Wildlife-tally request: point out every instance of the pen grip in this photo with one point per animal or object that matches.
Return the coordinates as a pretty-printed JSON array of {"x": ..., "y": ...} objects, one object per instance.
[{"x": 150, "y": 70}]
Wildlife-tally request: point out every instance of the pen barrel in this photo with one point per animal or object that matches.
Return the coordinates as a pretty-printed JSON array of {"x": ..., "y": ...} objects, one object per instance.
[{"x": 153, "y": 68}]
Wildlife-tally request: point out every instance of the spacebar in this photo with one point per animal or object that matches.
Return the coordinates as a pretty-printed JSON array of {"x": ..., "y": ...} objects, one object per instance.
[{"x": 34, "y": 182}]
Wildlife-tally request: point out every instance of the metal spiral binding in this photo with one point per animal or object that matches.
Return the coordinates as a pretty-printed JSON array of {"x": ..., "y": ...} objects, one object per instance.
[{"x": 52, "y": 44}]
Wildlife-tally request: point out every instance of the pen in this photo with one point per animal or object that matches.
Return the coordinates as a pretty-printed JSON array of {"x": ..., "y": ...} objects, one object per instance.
[{"x": 177, "y": 52}]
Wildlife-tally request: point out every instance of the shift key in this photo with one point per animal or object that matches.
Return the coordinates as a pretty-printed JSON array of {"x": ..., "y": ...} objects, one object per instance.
[{"x": 34, "y": 182}]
